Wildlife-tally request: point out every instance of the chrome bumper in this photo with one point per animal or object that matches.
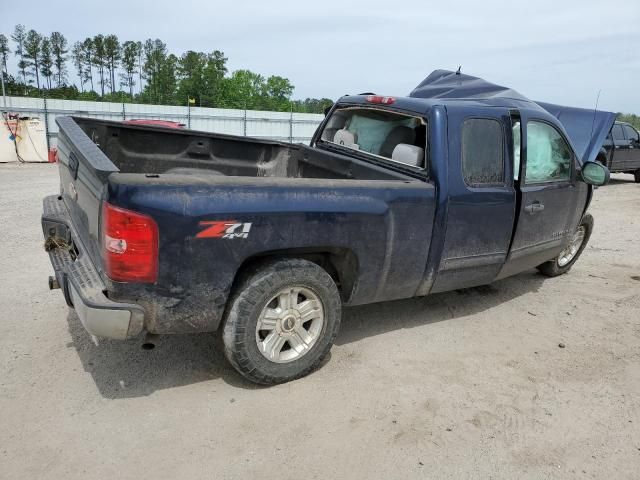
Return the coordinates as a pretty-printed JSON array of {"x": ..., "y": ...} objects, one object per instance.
[{"x": 81, "y": 283}]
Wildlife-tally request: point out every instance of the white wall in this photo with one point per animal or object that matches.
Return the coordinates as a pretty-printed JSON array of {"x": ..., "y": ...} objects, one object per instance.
[{"x": 283, "y": 126}]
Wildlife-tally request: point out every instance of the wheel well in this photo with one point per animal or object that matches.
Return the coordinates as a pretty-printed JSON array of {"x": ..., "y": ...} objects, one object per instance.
[{"x": 340, "y": 263}]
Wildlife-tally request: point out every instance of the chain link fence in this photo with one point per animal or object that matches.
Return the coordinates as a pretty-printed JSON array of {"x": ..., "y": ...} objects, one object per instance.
[{"x": 283, "y": 126}]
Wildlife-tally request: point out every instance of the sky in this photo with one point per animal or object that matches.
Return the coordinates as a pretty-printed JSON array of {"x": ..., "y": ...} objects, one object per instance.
[{"x": 559, "y": 51}]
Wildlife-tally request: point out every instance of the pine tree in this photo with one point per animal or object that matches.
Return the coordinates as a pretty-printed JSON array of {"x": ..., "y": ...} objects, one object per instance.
[
  {"x": 88, "y": 50},
  {"x": 46, "y": 61},
  {"x": 32, "y": 52},
  {"x": 19, "y": 36},
  {"x": 4, "y": 53},
  {"x": 59, "y": 49},
  {"x": 112, "y": 57}
]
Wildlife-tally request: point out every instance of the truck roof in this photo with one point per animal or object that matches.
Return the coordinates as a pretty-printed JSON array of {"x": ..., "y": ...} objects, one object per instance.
[{"x": 585, "y": 128}]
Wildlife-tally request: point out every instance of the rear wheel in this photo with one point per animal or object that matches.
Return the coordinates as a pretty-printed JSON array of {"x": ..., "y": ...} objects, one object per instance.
[
  {"x": 567, "y": 257},
  {"x": 282, "y": 321},
  {"x": 636, "y": 176}
]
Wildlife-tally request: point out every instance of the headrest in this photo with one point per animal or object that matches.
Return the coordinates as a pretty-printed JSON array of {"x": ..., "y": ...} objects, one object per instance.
[
  {"x": 408, "y": 154},
  {"x": 345, "y": 137}
]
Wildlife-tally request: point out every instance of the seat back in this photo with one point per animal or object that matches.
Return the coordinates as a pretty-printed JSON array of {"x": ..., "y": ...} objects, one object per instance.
[
  {"x": 399, "y": 134},
  {"x": 408, "y": 154}
]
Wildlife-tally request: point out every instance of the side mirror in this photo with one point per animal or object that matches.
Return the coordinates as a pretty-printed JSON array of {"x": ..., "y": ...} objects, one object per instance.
[{"x": 594, "y": 173}]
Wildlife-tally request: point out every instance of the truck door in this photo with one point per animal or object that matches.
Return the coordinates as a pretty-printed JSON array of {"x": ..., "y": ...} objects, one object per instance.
[
  {"x": 632, "y": 159},
  {"x": 620, "y": 149},
  {"x": 549, "y": 195},
  {"x": 481, "y": 198}
]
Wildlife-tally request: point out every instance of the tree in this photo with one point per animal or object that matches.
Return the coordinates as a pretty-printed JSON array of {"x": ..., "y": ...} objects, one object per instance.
[
  {"x": 88, "y": 50},
  {"x": 191, "y": 67},
  {"x": 278, "y": 91},
  {"x": 214, "y": 74},
  {"x": 244, "y": 89},
  {"x": 100, "y": 60},
  {"x": 112, "y": 57},
  {"x": 46, "y": 60},
  {"x": 159, "y": 70},
  {"x": 4, "y": 53},
  {"x": 167, "y": 80},
  {"x": 59, "y": 49},
  {"x": 32, "y": 52},
  {"x": 19, "y": 36},
  {"x": 77, "y": 57},
  {"x": 129, "y": 64},
  {"x": 140, "y": 52}
]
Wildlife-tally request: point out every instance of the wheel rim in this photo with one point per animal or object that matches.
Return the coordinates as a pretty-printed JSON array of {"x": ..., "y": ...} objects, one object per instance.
[
  {"x": 570, "y": 252},
  {"x": 290, "y": 324}
]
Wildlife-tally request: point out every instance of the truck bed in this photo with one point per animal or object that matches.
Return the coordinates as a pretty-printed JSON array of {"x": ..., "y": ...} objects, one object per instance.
[{"x": 153, "y": 150}]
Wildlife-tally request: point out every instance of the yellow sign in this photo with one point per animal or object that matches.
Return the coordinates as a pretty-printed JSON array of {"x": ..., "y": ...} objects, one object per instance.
[{"x": 192, "y": 101}]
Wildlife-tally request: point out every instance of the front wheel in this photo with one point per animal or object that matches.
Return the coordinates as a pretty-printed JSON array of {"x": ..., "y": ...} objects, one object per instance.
[
  {"x": 567, "y": 257},
  {"x": 636, "y": 176},
  {"x": 282, "y": 321}
]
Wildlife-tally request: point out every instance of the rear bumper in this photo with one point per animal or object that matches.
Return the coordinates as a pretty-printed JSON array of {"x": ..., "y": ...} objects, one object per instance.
[{"x": 80, "y": 281}]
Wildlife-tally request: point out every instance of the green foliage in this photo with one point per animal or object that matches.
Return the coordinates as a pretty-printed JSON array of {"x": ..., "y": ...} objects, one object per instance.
[
  {"x": 4, "y": 53},
  {"x": 32, "y": 53},
  {"x": 631, "y": 118},
  {"x": 133, "y": 71},
  {"x": 59, "y": 50},
  {"x": 46, "y": 61}
]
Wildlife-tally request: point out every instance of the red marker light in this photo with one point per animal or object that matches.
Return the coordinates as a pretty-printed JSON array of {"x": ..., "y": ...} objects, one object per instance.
[{"x": 380, "y": 99}]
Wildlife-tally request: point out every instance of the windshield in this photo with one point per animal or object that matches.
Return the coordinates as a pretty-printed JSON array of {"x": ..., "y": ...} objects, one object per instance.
[{"x": 394, "y": 136}]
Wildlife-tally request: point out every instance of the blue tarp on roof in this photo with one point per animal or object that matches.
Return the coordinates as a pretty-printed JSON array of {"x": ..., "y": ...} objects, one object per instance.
[{"x": 586, "y": 128}]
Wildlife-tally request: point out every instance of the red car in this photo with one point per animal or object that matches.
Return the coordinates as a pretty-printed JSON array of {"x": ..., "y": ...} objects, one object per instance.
[{"x": 157, "y": 123}]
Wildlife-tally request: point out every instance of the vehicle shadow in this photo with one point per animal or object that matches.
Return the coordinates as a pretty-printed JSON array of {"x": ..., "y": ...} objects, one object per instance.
[
  {"x": 379, "y": 318},
  {"x": 122, "y": 369}
]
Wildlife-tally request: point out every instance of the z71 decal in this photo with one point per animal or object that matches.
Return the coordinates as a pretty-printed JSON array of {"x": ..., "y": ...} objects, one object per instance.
[{"x": 224, "y": 229}]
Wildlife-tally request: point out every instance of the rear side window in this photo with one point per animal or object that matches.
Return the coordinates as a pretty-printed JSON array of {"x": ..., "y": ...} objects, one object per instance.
[
  {"x": 631, "y": 133},
  {"x": 617, "y": 132},
  {"x": 482, "y": 152}
]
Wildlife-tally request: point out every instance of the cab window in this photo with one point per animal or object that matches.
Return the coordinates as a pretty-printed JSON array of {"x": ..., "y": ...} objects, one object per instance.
[
  {"x": 381, "y": 133},
  {"x": 631, "y": 133},
  {"x": 548, "y": 154},
  {"x": 482, "y": 152},
  {"x": 617, "y": 132}
]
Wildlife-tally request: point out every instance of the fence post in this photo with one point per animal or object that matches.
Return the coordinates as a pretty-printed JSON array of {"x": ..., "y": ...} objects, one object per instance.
[
  {"x": 46, "y": 121},
  {"x": 291, "y": 125},
  {"x": 124, "y": 113},
  {"x": 188, "y": 114},
  {"x": 245, "y": 120}
]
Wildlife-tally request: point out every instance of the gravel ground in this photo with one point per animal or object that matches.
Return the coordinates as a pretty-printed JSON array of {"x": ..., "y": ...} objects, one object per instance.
[{"x": 467, "y": 384}]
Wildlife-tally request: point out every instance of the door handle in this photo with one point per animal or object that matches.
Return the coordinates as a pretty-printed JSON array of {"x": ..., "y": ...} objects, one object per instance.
[{"x": 533, "y": 208}]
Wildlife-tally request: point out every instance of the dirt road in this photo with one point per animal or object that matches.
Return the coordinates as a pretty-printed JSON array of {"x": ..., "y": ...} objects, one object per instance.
[{"x": 469, "y": 384}]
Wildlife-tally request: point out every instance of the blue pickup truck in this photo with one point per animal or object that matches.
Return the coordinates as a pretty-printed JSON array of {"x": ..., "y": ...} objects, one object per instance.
[{"x": 176, "y": 231}]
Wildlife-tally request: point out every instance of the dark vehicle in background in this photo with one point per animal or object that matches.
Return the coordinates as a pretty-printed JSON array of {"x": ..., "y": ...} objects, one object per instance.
[
  {"x": 621, "y": 150},
  {"x": 175, "y": 231}
]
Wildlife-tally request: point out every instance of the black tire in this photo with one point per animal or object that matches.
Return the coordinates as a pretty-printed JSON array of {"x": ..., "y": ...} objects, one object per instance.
[
  {"x": 636, "y": 176},
  {"x": 552, "y": 268},
  {"x": 246, "y": 304}
]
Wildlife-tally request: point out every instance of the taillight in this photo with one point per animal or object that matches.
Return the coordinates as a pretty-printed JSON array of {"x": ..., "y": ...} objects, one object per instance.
[
  {"x": 380, "y": 99},
  {"x": 129, "y": 245}
]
